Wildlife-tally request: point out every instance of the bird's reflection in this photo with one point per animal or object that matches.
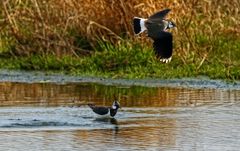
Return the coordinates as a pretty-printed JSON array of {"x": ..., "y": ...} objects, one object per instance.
[{"x": 109, "y": 120}]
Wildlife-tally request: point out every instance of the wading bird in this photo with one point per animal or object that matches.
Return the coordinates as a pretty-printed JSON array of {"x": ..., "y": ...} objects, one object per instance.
[
  {"x": 104, "y": 110},
  {"x": 156, "y": 26}
]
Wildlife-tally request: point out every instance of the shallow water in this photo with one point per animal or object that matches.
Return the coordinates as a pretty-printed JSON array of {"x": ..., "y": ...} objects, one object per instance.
[{"x": 45, "y": 116}]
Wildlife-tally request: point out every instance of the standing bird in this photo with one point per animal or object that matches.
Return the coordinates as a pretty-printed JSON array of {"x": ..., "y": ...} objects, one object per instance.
[
  {"x": 156, "y": 26},
  {"x": 103, "y": 110}
]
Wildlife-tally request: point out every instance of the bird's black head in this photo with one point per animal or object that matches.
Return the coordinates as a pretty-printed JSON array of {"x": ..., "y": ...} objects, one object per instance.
[
  {"x": 116, "y": 105},
  {"x": 170, "y": 25}
]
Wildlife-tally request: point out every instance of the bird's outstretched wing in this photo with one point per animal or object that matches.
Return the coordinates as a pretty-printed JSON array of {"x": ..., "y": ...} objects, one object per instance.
[
  {"x": 160, "y": 14},
  {"x": 163, "y": 46}
]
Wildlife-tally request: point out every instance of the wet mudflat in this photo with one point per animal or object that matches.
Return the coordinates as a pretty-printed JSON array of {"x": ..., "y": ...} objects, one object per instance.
[{"x": 53, "y": 116}]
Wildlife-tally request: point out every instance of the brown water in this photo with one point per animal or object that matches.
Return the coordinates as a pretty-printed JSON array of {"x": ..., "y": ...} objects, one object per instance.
[{"x": 48, "y": 116}]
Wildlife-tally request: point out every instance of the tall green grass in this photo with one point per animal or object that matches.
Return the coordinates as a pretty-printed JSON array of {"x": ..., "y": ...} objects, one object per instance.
[{"x": 130, "y": 60}]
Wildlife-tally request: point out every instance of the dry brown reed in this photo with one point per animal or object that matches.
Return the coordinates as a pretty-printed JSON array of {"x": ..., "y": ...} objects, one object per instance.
[{"x": 51, "y": 27}]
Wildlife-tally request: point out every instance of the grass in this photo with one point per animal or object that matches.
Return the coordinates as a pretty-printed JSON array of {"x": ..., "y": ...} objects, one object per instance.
[
  {"x": 130, "y": 60},
  {"x": 74, "y": 38}
]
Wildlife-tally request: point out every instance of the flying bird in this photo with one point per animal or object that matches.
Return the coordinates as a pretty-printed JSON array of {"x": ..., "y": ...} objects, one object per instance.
[
  {"x": 105, "y": 110},
  {"x": 156, "y": 26}
]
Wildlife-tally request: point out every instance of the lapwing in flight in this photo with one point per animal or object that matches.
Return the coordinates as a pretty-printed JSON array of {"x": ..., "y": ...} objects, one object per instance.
[
  {"x": 156, "y": 26},
  {"x": 106, "y": 110}
]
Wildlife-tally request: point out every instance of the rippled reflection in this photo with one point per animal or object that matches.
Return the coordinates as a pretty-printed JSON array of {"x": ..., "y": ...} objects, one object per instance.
[
  {"x": 45, "y": 94},
  {"x": 47, "y": 116}
]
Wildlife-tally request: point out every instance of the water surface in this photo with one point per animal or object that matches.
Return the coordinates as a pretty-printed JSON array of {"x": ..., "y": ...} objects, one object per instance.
[{"x": 50, "y": 116}]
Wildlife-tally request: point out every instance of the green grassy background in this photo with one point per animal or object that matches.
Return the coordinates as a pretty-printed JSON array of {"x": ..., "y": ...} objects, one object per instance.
[
  {"x": 135, "y": 61},
  {"x": 74, "y": 38}
]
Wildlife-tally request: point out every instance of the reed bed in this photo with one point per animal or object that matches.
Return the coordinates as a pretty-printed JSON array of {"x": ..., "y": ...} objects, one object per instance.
[{"x": 75, "y": 27}]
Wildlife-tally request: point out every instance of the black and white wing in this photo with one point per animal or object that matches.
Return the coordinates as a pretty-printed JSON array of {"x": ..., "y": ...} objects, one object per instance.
[
  {"x": 99, "y": 109},
  {"x": 160, "y": 14},
  {"x": 163, "y": 46}
]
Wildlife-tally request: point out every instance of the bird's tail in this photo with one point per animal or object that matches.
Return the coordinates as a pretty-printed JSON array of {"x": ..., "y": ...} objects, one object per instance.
[
  {"x": 91, "y": 105},
  {"x": 139, "y": 25}
]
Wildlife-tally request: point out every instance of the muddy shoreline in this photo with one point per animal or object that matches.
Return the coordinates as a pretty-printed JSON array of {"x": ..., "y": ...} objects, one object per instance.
[{"x": 41, "y": 77}]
